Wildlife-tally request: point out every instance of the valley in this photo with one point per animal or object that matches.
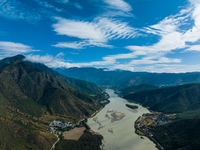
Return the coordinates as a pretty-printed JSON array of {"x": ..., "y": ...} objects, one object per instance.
[
  {"x": 119, "y": 133},
  {"x": 99, "y": 74},
  {"x": 39, "y": 107}
]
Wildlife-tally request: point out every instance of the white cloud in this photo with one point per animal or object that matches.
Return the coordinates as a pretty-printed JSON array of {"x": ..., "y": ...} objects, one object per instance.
[
  {"x": 150, "y": 58},
  {"x": 119, "y": 4},
  {"x": 40, "y": 59},
  {"x": 74, "y": 45},
  {"x": 193, "y": 48},
  {"x": 57, "y": 62},
  {"x": 80, "y": 29},
  {"x": 162, "y": 68},
  {"x": 159, "y": 68},
  {"x": 14, "y": 48},
  {"x": 172, "y": 37},
  {"x": 81, "y": 45},
  {"x": 111, "y": 61},
  {"x": 169, "y": 42},
  {"x": 108, "y": 60},
  {"x": 50, "y": 61},
  {"x": 98, "y": 32},
  {"x": 161, "y": 60}
]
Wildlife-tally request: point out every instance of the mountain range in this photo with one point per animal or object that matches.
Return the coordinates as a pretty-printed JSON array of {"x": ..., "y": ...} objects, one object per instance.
[
  {"x": 119, "y": 79},
  {"x": 175, "y": 99},
  {"x": 31, "y": 95}
]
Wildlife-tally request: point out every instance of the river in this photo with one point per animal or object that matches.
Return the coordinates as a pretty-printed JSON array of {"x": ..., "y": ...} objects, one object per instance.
[{"x": 120, "y": 134}]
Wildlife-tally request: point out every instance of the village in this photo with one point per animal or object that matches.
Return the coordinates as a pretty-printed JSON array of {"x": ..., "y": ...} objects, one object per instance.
[
  {"x": 147, "y": 122},
  {"x": 55, "y": 125}
]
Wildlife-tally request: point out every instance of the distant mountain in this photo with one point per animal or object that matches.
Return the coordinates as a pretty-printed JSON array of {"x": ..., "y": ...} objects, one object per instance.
[
  {"x": 175, "y": 99},
  {"x": 31, "y": 97},
  {"x": 121, "y": 79},
  {"x": 137, "y": 88}
]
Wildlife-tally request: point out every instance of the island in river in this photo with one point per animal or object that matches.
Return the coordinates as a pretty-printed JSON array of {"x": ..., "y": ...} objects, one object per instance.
[
  {"x": 131, "y": 106},
  {"x": 115, "y": 122}
]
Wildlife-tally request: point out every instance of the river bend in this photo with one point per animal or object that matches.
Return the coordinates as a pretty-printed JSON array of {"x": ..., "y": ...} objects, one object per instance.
[{"x": 115, "y": 122}]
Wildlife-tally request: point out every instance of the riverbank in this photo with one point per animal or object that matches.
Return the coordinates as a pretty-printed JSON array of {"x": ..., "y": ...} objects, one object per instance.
[
  {"x": 141, "y": 133},
  {"x": 145, "y": 125},
  {"x": 120, "y": 133}
]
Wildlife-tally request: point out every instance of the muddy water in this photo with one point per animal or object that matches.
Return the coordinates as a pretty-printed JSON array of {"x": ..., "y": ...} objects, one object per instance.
[{"x": 120, "y": 134}]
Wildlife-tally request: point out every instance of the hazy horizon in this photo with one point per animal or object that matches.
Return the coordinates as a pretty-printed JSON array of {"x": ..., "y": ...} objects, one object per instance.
[{"x": 135, "y": 35}]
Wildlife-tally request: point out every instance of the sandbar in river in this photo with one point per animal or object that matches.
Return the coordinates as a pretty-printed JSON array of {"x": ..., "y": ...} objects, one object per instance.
[{"x": 123, "y": 136}]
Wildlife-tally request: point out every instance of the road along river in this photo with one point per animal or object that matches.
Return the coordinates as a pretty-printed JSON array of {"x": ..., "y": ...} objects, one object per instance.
[{"x": 115, "y": 122}]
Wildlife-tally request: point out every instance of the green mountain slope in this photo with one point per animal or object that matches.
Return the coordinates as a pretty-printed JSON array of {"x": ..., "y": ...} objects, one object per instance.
[
  {"x": 80, "y": 85},
  {"x": 30, "y": 98},
  {"x": 13, "y": 136},
  {"x": 169, "y": 99},
  {"x": 20, "y": 81},
  {"x": 179, "y": 135},
  {"x": 183, "y": 132},
  {"x": 135, "y": 89}
]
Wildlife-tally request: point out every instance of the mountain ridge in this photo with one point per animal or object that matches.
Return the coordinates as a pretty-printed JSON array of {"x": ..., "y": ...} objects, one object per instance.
[
  {"x": 175, "y": 99},
  {"x": 122, "y": 79},
  {"x": 30, "y": 98}
]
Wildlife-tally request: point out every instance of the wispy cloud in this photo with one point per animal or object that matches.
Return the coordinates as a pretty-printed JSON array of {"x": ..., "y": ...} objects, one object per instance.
[
  {"x": 112, "y": 63},
  {"x": 81, "y": 45},
  {"x": 172, "y": 37},
  {"x": 119, "y": 4},
  {"x": 14, "y": 9},
  {"x": 79, "y": 29},
  {"x": 14, "y": 48},
  {"x": 161, "y": 60},
  {"x": 74, "y": 45},
  {"x": 172, "y": 68},
  {"x": 98, "y": 32},
  {"x": 50, "y": 61},
  {"x": 49, "y": 6}
]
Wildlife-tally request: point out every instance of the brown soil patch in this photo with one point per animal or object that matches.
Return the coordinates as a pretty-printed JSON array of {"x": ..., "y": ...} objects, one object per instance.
[{"x": 74, "y": 134}]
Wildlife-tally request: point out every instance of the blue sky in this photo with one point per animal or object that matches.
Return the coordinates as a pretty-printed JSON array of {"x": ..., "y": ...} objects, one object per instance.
[{"x": 136, "y": 35}]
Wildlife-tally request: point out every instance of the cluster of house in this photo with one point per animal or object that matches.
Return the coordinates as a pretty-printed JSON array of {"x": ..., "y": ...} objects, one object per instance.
[
  {"x": 145, "y": 122},
  {"x": 161, "y": 119},
  {"x": 54, "y": 125}
]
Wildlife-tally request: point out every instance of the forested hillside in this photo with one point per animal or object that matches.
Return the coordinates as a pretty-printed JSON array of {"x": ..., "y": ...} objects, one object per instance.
[
  {"x": 176, "y": 99},
  {"x": 181, "y": 132},
  {"x": 30, "y": 98}
]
